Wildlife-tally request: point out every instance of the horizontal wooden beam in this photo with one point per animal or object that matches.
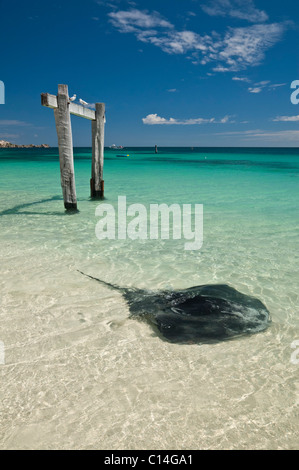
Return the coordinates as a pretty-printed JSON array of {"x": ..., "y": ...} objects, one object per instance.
[{"x": 50, "y": 101}]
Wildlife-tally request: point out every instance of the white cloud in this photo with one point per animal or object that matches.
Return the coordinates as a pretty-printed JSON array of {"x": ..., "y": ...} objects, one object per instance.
[
  {"x": 241, "y": 9},
  {"x": 255, "y": 90},
  {"x": 243, "y": 47},
  {"x": 136, "y": 20},
  {"x": 276, "y": 85},
  {"x": 286, "y": 118},
  {"x": 9, "y": 136},
  {"x": 154, "y": 119},
  {"x": 279, "y": 136},
  {"x": 172, "y": 90},
  {"x": 220, "y": 68},
  {"x": 269, "y": 136},
  {"x": 238, "y": 49},
  {"x": 265, "y": 84},
  {"x": 6, "y": 122},
  {"x": 176, "y": 42},
  {"x": 241, "y": 79},
  {"x": 224, "y": 120}
]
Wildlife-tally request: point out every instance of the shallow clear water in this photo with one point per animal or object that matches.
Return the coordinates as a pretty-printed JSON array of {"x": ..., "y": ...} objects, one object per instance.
[{"x": 78, "y": 372}]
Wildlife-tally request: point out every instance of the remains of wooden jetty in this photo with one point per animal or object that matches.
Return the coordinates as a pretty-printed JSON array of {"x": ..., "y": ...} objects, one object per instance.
[{"x": 63, "y": 108}]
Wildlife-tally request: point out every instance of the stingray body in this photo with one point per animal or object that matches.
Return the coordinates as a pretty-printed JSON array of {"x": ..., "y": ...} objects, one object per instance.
[{"x": 207, "y": 313}]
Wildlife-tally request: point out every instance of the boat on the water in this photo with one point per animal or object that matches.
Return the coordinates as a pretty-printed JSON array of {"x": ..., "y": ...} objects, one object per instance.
[
  {"x": 123, "y": 155},
  {"x": 116, "y": 147}
]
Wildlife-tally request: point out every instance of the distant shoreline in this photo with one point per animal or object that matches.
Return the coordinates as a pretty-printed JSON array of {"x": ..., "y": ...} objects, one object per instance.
[
  {"x": 8, "y": 145},
  {"x": 221, "y": 149}
]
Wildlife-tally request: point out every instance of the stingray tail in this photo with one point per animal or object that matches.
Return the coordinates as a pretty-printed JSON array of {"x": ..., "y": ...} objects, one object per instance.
[{"x": 112, "y": 286}]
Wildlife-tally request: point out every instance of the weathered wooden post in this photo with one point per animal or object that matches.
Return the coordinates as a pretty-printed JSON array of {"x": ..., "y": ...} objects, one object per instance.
[
  {"x": 98, "y": 128},
  {"x": 65, "y": 145}
]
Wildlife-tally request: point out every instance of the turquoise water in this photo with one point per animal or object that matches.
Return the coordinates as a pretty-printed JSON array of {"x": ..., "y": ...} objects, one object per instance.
[{"x": 78, "y": 372}]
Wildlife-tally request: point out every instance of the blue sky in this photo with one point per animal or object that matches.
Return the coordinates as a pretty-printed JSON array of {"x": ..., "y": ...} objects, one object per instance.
[{"x": 171, "y": 72}]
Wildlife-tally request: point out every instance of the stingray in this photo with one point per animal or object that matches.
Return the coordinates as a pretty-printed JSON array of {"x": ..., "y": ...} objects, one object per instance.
[{"x": 200, "y": 314}]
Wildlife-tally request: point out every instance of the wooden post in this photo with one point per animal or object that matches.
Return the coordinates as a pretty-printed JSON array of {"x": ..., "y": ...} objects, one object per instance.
[
  {"x": 97, "y": 127},
  {"x": 65, "y": 145},
  {"x": 156, "y": 149}
]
